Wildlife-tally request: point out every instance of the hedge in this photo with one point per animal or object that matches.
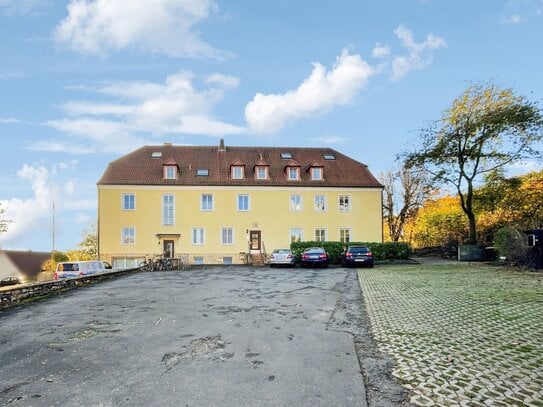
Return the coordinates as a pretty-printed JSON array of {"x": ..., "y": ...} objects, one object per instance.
[{"x": 381, "y": 251}]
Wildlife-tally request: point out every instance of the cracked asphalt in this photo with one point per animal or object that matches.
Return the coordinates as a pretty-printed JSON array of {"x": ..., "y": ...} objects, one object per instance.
[{"x": 216, "y": 336}]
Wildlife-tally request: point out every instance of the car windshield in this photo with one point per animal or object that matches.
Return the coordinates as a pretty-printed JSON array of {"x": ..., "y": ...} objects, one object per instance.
[
  {"x": 282, "y": 251},
  {"x": 315, "y": 250},
  {"x": 358, "y": 249}
]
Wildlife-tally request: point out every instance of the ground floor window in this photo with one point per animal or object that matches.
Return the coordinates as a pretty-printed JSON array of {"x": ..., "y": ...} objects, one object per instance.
[
  {"x": 295, "y": 235},
  {"x": 227, "y": 260},
  {"x": 198, "y": 236},
  {"x": 345, "y": 235},
  {"x": 320, "y": 235},
  {"x": 126, "y": 262},
  {"x": 227, "y": 235},
  {"x": 128, "y": 235},
  {"x": 198, "y": 260}
]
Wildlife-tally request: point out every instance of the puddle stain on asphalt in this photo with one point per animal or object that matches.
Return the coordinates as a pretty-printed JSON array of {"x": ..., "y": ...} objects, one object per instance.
[{"x": 197, "y": 347}]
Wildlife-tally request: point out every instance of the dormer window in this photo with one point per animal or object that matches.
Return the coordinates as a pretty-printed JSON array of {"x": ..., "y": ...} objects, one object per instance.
[
  {"x": 293, "y": 171},
  {"x": 238, "y": 172},
  {"x": 170, "y": 169},
  {"x": 170, "y": 172},
  {"x": 261, "y": 172},
  {"x": 316, "y": 171},
  {"x": 262, "y": 169},
  {"x": 316, "y": 174}
]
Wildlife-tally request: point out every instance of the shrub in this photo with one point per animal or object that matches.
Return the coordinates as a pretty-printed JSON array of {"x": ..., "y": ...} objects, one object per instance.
[
  {"x": 510, "y": 243},
  {"x": 381, "y": 251}
]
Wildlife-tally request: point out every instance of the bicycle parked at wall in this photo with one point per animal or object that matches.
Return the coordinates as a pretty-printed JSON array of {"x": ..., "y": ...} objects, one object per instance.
[{"x": 156, "y": 264}]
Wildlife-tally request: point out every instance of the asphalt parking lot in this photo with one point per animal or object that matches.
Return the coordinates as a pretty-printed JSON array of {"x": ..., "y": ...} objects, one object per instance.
[{"x": 204, "y": 337}]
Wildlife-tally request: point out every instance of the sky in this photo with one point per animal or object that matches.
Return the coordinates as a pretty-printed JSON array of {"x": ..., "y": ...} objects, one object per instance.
[{"x": 83, "y": 82}]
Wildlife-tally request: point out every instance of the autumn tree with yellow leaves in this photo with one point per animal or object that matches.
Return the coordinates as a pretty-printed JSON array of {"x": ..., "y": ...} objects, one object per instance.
[{"x": 485, "y": 129}]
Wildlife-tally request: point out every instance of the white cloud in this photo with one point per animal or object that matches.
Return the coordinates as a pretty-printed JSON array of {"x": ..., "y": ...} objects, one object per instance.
[
  {"x": 9, "y": 120},
  {"x": 329, "y": 140},
  {"x": 319, "y": 93},
  {"x": 22, "y": 7},
  {"x": 96, "y": 27},
  {"x": 419, "y": 54},
  {"x": 513, "y": 19},
  {"x": 226, "y": 81},
  {"x": 34, "y": 214},
  {"x": 380, "y": 51},
  {"x": 140, "y": 112},
  {"x": 9, "y": 75}
]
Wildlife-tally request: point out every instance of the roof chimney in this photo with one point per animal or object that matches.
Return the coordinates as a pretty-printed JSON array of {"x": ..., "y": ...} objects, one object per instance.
[{"x": 221, "y": 145}]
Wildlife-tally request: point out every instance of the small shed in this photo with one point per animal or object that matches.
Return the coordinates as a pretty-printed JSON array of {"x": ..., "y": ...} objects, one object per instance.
[
  {"x": 535, "y": 248},
  {"x": 23, "y": 264}
]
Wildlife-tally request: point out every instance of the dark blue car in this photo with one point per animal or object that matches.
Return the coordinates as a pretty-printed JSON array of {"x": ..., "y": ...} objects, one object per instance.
[
  {"x": 357, "y": 256},
  {"x": 314, "y": 256}
]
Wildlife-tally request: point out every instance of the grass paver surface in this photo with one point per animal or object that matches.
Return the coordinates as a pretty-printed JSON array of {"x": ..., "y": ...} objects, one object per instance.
[{"x": 461, "y": 334}]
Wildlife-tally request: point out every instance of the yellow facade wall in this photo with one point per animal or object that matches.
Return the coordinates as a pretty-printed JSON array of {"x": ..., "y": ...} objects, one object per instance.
[{"x": 269, "y": 212}]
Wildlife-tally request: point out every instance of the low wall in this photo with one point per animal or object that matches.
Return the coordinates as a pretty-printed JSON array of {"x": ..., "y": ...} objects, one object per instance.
[{"x": 21, "y": 293}]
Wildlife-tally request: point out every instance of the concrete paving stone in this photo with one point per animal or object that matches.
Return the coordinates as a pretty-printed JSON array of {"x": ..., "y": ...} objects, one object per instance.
[{"x": 478, "y": 328}]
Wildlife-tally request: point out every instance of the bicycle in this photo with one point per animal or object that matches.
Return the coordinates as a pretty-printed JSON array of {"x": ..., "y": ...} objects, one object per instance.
[{"x": 146, "y": 265}]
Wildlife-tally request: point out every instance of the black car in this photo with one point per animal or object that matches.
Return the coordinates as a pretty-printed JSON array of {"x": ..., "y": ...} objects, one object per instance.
[
  {"x": 314, "y": 256},
  {"x": 9, "y": 281},
  {"x": 357, "y": 256}
]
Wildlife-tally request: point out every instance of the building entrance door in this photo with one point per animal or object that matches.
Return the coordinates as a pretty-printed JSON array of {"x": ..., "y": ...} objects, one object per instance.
[
  {"x": 169, "y": 249},
  {"x": 255, "y": 238}
]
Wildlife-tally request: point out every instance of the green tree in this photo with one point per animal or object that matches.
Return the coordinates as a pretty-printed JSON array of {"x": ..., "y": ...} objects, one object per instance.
[
  {"x": 485, "y": 129},
  {"x": 404, "y": 192},
  {"x": 89, "y": 244}
]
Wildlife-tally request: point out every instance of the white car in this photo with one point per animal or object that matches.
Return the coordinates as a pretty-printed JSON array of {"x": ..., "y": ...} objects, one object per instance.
[
  {"x": 282, "y": 256},
  {"x": 71, "y": 269}
]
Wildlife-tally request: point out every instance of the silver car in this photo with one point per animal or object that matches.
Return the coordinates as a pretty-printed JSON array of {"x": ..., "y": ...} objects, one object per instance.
[{"x": 282, "y": 256}]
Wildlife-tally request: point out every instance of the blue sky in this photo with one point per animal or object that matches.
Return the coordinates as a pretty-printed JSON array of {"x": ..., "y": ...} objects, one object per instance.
[{"x": 83, "y": 82}]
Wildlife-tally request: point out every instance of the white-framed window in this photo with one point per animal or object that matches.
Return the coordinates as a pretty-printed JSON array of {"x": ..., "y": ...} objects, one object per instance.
[
  {"x": 345, "y": 235},
  {"x": 227, "y": 260},
  {"x": 238, "y": 172},
  {"x": 316, "y": 174},
  {"x": 344, "y": 203},
  {"x": 128, "y": 235},
  {"x": 296, "y": 203},
  {"x": 198, "y": 260},
  {"x": 320, "y": 203},
  {"x": 170, "y": 172},
  {"x": 296, "y": 235},
  {"x": 227, "y": 235},
  {"x": 244, "y": 202},
  {"x": 261, "y": 172},
  {"x": 168, "y": 209},
  {"x": 198, "y": 236},
  {"x": 126, "y": 262},
  {"x": 293, "y": 173},
  {"x": 129, "y": 202},
  {"x": 320, "y": 235},
  {"x": 206, "y": 202}
]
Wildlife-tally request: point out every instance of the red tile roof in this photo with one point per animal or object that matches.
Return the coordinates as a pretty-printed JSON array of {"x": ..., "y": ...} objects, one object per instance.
[{"x": 138, "y": 168}]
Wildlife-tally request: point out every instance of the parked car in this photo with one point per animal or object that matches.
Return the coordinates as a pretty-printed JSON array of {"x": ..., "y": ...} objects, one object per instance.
[
  {"x": 9, "y": 281},
  {"x": 282, "y": 256},
  {"x": 357, "y": 256},
  {"x": 81, "y": 268},
  {"x": 314, "y": 256}
]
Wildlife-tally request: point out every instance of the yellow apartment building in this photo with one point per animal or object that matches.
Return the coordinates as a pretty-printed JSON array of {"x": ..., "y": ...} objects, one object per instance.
[{"x": 228, "y": 205}]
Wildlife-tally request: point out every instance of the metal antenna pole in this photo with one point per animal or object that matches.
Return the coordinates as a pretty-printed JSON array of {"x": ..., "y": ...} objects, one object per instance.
[{"x": 53, "y": 225}]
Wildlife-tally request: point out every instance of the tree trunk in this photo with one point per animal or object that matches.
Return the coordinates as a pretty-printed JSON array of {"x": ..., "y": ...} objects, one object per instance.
[{"x": 472, "y": 239}]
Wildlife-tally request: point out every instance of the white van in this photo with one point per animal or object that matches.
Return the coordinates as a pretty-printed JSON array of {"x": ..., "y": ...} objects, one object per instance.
[{"x": 69, "y": 269}]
